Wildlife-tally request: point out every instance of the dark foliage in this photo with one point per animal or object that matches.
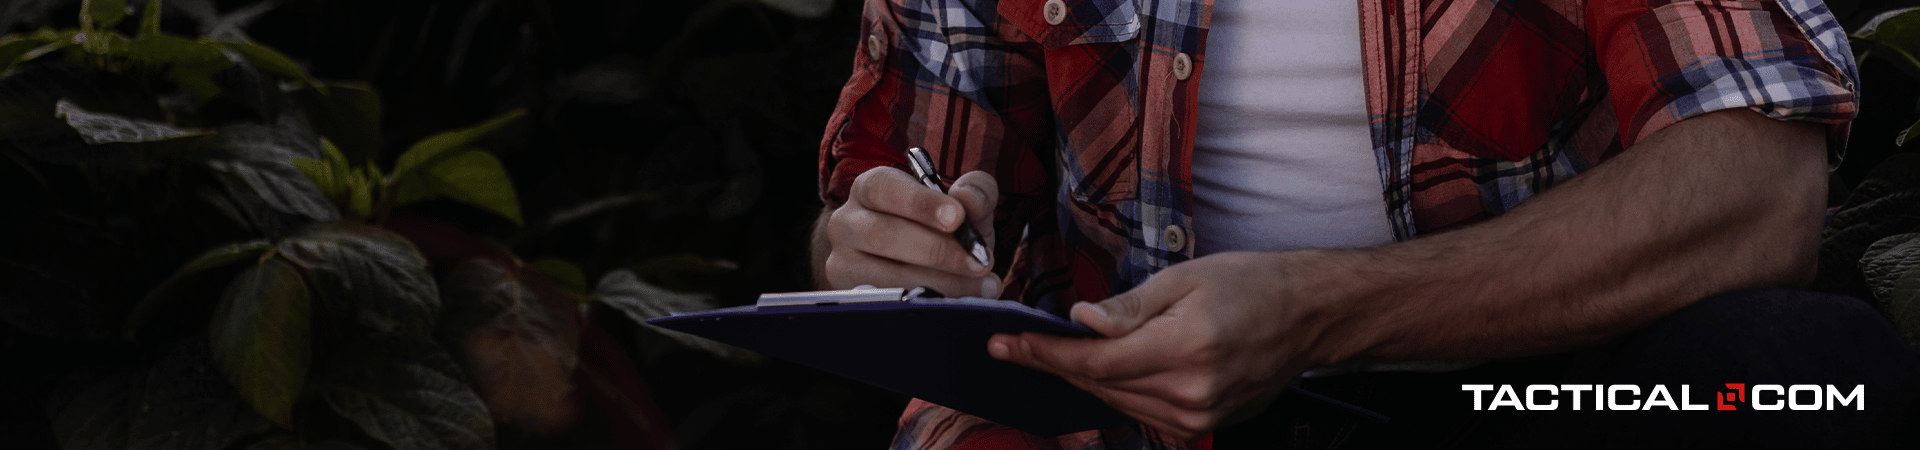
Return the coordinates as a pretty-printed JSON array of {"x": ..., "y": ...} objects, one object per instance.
[{"x": 673, "y": 141}]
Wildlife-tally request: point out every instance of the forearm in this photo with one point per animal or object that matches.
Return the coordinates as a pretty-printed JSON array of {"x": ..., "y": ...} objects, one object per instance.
[{"x": 1722, "y": 202}]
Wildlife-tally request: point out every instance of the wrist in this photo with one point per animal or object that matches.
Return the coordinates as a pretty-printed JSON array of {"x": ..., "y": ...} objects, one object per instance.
[{"x": 1346, "y": 292}]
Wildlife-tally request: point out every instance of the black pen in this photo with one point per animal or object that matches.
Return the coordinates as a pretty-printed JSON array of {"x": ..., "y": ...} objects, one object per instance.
[{"x": 968, "y": 237}]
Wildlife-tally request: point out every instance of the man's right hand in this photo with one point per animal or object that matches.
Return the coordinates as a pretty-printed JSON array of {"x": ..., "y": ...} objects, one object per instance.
[{"x": 895, "y": 232}]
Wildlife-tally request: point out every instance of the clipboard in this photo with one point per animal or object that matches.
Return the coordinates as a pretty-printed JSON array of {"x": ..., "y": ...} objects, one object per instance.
[{"x": 924, "y": 346}]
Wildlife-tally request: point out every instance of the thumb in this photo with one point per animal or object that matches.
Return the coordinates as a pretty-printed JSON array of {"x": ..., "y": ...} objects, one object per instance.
[{"x": 1120, "y": 315}]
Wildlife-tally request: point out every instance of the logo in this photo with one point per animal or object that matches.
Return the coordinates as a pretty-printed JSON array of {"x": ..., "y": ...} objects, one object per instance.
[{"x": 1631, "y": 397}]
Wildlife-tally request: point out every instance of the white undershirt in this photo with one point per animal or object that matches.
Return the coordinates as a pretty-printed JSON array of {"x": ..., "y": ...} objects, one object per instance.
[{"x": 1283, "y": 156}]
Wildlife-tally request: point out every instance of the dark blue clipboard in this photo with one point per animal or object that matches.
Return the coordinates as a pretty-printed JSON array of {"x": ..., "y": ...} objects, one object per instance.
[{"x": 934, "y": 349}]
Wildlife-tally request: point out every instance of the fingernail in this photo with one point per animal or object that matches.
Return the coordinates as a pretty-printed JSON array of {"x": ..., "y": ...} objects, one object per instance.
[
  {"x": 998, "y": 349},
  {"x": 989, "y": 287},
  {"x": 1102, "y": 312},
  {"x": 976, "y": 191},
  {"x": 949, "y": 216}
]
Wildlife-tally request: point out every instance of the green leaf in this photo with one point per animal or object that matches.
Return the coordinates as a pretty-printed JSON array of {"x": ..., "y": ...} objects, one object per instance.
[
  {"x": 1898, "y": 28},
  {"x": 473, "y": 177},
  {"x": 162, "y": 296},
  {"x": 564, "y": 274},
  {"x": 172, "y": 51},
  {"x": 321, "y": 173},
  {"x": 254, "y": 163},
  {"x": 185, "y": 402},
  {"x": 1898, "y": 33},
  {"x": 377, "y": 277},
  {"x": 102, "y": 128},
  {"x": 434, "y": 147},
  {"x": 348, "y": 114},
  {"x": 1905, "y": 309},
  {"x": 14, "y": 48},
  {"x": 412, "y": 189},
  {"x": 409, "y": 394},
  {"x": 641, "y": 301},
  {"x": 336, "y": 160},
  {"x": 279, "y": 187},
  {"x": 1887, "y": 260},
  {"x": 332, "y": 176},
  {"x": 1911, "y": 131},
  {"x": 180, "y": 402},
  {"x": 150, "y": 20},
  {"x": 29, "y": 99},
  {"x": 273, "y": 61},
  {"x": 360, "y": 192},
  {"x": 624, "y": 291},
  {"x": 262, "y": 335},
  {"x": 195, "y": 81},
  {"x": 103, "y": 13},
  {"x": 1881, "y": 205}
]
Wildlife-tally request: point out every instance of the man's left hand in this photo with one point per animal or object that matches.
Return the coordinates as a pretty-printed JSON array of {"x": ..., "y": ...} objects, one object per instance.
[{"x": 1193, "y": 344}]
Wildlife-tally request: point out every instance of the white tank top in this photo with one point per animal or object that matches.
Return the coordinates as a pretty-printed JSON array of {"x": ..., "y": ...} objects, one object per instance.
[{"x": 1283, "y": 157}]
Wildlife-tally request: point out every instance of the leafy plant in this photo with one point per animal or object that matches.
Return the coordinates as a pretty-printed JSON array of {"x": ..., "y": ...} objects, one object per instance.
[
  {"x": 315, "y": 318},
  {"x": 1868, "y": 249},
  {"x": 1895, "y": 35},
  {"x": 656, "y": 152},
  {"x": 441, "y": 165}
]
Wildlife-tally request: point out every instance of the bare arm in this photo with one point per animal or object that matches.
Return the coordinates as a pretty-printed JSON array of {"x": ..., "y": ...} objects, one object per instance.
[{"x": 1720, "y": 202}]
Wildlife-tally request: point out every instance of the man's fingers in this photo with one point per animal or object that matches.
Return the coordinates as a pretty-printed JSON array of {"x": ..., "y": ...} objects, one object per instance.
[
  {"x": 1120, "y": 315},
  {"x": 978, "y": 193},
  {"x": 1132, "y": 387},
  {"x": 1092, "y": 359},
  {"x": 980, "y": 182},
  {"x": 899, "y": 239},
  {"x": 889, "y": 190},
  {"x": 882, "y": 272}
]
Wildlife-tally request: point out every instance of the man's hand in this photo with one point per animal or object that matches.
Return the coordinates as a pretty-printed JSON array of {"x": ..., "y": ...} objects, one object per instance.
[
  {"x": 1725, "y": 201},
  {"x": 1194, "y": 344},
  {"x": 895, "y": 232}
]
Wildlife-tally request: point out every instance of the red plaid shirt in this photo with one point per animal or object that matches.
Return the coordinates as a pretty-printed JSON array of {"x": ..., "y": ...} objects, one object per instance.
[{"x": 1085, "y": 117}]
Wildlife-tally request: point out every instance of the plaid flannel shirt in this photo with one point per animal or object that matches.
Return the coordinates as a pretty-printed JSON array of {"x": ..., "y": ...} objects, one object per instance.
[{"x": 1083, "y": 111}]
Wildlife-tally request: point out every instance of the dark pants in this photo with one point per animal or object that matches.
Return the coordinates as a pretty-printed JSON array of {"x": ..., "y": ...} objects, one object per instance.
[{"x": 1760, "y": 337}]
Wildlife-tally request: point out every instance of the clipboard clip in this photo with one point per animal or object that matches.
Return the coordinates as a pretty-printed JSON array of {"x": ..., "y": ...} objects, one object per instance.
[{"x": 862, "y": 294}]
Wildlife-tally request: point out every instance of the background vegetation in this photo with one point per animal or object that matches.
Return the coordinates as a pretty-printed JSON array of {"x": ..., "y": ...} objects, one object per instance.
[
  {"x": 659, "y": 154},
  {"x": 1871, "y": 247}
]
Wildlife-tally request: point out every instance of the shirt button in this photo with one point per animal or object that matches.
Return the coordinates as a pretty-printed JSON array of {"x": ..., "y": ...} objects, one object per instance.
[
  {"x": 1175, "y": 238},
  {"x": 1182, "y": 66},
  {"x": 1055, "y": 11},
  {"x": 875, "y": 48}
]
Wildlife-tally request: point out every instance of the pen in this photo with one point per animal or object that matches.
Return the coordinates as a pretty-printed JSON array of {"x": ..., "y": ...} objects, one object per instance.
[{"x": 968, "y": 237}]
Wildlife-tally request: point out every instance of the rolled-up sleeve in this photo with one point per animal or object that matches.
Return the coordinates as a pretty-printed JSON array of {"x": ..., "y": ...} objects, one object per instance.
[
  {"x": 1666, "y": 61},
  {"x": 964, "y": 84}
]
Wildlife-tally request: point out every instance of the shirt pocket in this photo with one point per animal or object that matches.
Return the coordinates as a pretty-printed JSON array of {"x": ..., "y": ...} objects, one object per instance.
[
  {"x": 1091, "y": 55},
  {"x": 1078, "y": 22}
]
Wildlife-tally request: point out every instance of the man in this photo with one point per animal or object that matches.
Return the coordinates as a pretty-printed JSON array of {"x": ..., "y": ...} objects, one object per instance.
[{"x": 1227, "y": 236}]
